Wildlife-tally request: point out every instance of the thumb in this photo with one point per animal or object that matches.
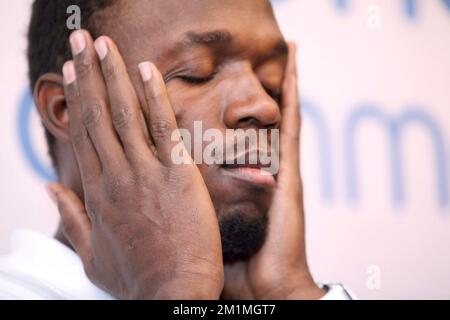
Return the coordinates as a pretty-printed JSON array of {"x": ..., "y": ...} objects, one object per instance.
[{"x": 75, "y": 222}]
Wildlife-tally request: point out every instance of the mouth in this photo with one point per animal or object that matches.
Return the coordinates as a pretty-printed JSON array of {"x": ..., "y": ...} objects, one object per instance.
[{"x": 253, "y": 174}]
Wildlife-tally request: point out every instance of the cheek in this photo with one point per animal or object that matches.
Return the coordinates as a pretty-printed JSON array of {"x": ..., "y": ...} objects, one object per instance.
[{"x": 195, "y": 104}]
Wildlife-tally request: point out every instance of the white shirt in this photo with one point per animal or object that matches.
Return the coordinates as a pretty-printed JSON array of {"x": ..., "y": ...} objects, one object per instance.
[{"x": 40, "y": 267}]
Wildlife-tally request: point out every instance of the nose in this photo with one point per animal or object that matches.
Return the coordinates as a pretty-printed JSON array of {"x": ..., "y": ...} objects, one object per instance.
[{"x": 247, "y": 104}]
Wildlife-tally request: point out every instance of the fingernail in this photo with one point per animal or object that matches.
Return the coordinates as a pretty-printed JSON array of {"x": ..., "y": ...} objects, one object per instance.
[
  {"x": 51, "y": 193},
  {"x": 146, "y": 71},
  {"x": 101, "y": 48},
  {"x": 69, "y": 73},
  {"x": 77, "y": 42}
]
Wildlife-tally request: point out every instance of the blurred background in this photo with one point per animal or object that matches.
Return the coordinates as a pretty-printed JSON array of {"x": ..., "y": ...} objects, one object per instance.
[{"x": 375, "y": 86}]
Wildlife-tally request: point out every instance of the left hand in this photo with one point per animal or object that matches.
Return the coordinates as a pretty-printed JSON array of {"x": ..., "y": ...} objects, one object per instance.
[{"x": 279, "y": 270}]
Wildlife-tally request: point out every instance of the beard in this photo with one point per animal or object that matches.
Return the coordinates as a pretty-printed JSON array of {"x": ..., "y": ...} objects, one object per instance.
[{"x": 242, "y": 235}]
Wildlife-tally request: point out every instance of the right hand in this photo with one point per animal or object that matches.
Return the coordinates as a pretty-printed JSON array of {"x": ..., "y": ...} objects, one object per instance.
[{"x": 147, "y": 227}]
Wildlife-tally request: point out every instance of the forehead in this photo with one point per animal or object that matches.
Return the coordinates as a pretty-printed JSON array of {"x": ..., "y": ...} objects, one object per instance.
[{"x": 146, "y": 29}]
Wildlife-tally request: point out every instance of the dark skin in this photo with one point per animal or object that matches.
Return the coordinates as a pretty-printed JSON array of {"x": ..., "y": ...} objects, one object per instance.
[{"x": 113, "y": 125}]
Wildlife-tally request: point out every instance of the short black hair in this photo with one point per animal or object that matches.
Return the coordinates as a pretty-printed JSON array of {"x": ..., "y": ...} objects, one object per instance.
[{"x": 48, "y": 46}]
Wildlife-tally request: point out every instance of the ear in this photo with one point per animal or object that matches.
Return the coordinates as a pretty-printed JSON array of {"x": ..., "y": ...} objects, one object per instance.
[{"x": 51, "y": 104}]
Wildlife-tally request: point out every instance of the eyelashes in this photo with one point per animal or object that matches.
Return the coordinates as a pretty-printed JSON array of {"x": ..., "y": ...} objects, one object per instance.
[{"x": 196, "y": 80}]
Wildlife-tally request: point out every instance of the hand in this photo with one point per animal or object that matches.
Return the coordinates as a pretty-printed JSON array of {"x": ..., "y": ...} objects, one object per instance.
[
  {"x": 279, "y": 270},
  {"x": 147, "y": 227}
]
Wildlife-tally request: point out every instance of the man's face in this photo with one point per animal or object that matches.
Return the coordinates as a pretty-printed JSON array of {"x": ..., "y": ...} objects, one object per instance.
[{"x": 223, "y": 62}]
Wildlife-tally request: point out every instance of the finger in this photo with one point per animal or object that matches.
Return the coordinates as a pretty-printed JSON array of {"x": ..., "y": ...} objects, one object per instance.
[
  {"x": 87, "y": 159},
  {"x": 94, "y": 101},
  {"x": 291, "y": 120},
  {"x": 74, "y": 219},
  {"x": 285, "y": 236},
  {"x": 126, "y": 113},
  {"x": 158, "y": 112}
]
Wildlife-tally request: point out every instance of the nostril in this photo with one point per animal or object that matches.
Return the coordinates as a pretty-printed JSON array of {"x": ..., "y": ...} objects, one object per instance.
[
  {"x": 247, "y": 119},
  {"x": 253, "y": 122},
  {"x": 250, "y": 122}
]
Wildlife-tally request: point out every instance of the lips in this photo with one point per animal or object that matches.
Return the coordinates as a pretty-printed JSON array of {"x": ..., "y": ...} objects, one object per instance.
[
  {"x": 251, "y": 174},
  {"x": 247, "y": 167}
]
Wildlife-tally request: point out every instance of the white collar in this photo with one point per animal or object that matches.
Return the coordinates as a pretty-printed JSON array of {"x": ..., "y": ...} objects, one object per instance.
[
  {"x": 46, "y": 265},
  {"x": 50, "y": 270}
]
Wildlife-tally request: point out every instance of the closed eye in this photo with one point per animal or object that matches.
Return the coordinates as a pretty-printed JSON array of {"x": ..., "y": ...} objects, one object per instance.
[{"x": 196, "y": 80}]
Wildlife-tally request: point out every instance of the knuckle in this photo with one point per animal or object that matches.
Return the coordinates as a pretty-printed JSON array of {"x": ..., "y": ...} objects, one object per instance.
[
  {"x": 178, "y": 179},
  {"x": 154, "y": 95},
  {"x": 92, "y": 113},
  {"x": 121, "y": 118},
  {"x": 160, "y": 128},
  {"x": 113, "y": 190},
  {"x": 115, "y": 187},
  {"x": 71, "y": 98},
  {"x": 92, "y": 207},
  {"x": 141, "y": 179},
  {"x": 84, "y": 66},
  {"x": 110, "y": 71},
  {"x": 67, "y": 228},
  {"x": 79, "y": 138},
  {"x": 72, "y": 95}
]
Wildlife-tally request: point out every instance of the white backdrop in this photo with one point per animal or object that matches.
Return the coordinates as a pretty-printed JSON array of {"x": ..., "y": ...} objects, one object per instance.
[{"x": 376, "y": 141}]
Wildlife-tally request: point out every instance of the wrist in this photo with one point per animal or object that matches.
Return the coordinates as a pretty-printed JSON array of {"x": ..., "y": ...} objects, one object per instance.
[
  {"x": 312, "y": 292},
  {"x": 298, "y": 287},
  {"x": 306, "y": 289},
  {"x": 190, "y": 289}
]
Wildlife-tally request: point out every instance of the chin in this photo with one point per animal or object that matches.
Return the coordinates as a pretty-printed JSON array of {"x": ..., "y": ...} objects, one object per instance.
[
  {"x": 241, "y": 208},
  {"x": 243, "y": 232}
]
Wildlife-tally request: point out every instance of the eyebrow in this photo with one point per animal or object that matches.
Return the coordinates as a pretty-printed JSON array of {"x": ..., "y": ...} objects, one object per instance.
[
  {"x": 217, "y": 38},
  {"x": 210, "y": 38}
]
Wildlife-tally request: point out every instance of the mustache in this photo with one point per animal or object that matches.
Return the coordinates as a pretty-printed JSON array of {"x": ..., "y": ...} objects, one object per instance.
[
  {"x": 257, "y": 147},
  {"x": 253, "y": 156},
  {"x": 247, "y": 151}
]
